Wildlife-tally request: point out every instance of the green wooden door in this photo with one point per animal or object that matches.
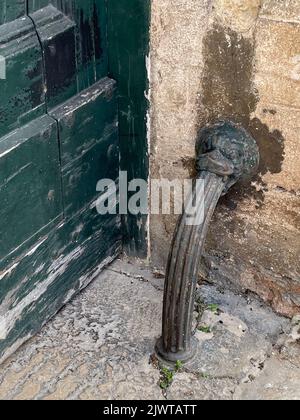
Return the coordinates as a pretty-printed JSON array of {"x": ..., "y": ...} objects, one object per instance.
[{"x": 58, "y": 137}]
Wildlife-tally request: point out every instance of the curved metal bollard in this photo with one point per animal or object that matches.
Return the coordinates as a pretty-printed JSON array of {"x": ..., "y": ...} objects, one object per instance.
[{"x": 225, "y": 154}]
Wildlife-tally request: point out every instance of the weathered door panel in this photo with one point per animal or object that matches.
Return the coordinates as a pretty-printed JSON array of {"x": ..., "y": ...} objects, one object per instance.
[
  {"x": 30, "y": 184},
  {"x": 88, "y": 136},
  {"x": 22, "y": 92},
  {"x": 57, "y": 34},
  {"x": 90, "y": 17}
]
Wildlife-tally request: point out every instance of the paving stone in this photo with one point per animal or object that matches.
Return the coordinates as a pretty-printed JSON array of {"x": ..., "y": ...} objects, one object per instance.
[{"x": 279, "y": 381}]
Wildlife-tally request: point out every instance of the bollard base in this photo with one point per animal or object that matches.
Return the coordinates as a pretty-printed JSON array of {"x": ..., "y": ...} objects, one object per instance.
[{"x": 171, "y": 358}]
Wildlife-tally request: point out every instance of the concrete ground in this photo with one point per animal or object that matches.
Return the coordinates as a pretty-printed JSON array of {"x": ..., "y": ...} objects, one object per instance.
[{"x": 99, "y": 347}]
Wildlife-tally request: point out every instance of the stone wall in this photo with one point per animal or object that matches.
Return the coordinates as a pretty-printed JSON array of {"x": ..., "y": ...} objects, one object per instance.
[{"x": 236, "y": 59}]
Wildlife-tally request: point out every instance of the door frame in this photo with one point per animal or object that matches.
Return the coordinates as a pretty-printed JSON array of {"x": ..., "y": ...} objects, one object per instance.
[{"x": 128, "y": 58}]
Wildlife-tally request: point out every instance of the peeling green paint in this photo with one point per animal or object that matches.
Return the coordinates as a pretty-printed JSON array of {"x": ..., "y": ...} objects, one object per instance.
[
  {"x": 30, "y": 188},
  {"x": 50, "y": 273}
]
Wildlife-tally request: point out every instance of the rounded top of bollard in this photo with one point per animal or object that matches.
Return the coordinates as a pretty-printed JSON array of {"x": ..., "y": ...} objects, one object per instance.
[{"x": 228, "y": 150}]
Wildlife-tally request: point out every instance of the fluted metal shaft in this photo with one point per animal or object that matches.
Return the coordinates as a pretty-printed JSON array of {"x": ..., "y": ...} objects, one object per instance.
[
  {"x": 182, "y": 274},
  {"x": 225, "y": 153}
]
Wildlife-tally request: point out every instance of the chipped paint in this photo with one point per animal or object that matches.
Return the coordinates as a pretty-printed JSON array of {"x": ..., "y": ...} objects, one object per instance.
[
  {"x": 43, "y": 285},
  {"x": 35, "y": 248},
  {"x": 31, "y": 169},
  {"x": 88, "y": 278},
  {"x": 9, "y": 317},
  {"x": 9, "y": 271},
  {"x": 13, "y": 348},
  {"x": 6, "y": 152}
]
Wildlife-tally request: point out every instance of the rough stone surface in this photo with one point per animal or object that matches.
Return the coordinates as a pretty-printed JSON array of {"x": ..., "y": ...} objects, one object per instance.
[
  {"x": 238, "y": 60},
  {"x": 177, "y": 32},
  {"x": 277, "y": 74},
  {"x": 283, "y": 386},
  {"x": 239, "y": 15},
  {"x": 99, "y": 347},
  {"x": 285, "y": 10}
]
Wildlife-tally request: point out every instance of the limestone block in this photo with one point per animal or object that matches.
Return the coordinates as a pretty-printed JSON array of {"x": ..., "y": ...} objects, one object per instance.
[
  {"x": 240, "y": 15},
  {"x": 287, "y": 10},
  {"x": 278, "y": 62}
]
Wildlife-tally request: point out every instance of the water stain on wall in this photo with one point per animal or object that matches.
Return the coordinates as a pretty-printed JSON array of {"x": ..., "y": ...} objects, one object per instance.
[{"x": 228, "y": 92}]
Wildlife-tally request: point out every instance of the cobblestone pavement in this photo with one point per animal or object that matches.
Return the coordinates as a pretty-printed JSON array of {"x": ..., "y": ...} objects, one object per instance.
[{"x": 99, "y": 347}]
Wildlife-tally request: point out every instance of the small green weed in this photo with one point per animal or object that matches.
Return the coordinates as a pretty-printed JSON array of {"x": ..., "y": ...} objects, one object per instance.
[
  {"x": 213, "y": 308},
  {"x": 178, "y": 366},
  {"x": 205, "y": 329},
  {"x": 168, "y": 375}
]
